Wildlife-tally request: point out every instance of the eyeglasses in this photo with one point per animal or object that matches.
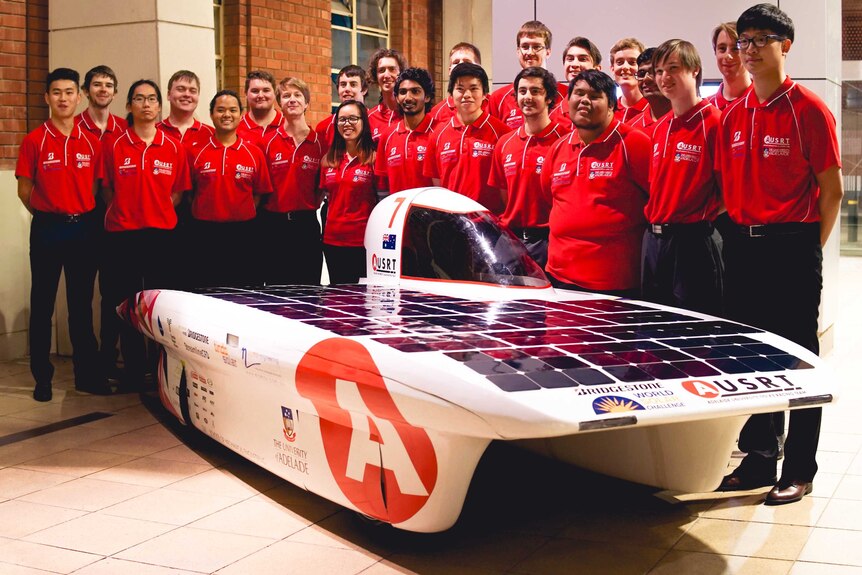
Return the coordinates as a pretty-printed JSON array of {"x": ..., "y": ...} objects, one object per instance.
[
  {"x": 153, "y": 99},
  {"x": 352, "y": 120},
  {"x": 527, "y": 48},
  {"x": 642, "y": 74},
  {"x": 760, "y": 41}
]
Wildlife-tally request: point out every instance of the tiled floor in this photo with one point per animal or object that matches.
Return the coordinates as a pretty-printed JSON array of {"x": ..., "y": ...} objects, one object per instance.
[{"x": 133, "y": 494}]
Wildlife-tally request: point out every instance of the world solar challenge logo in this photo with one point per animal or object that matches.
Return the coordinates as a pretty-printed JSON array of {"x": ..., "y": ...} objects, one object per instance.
[{"x": 615, "y": 404}]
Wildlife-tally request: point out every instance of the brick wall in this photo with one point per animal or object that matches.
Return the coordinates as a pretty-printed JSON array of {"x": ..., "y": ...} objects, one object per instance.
[
  {"x": 284, "y": 38},
  {"x": 416, "y": 30},
  {"x": 23, "y": 66}
]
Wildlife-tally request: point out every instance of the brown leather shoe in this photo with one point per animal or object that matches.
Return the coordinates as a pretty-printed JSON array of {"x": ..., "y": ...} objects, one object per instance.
[
  {"x": 745, "y": 481},
  {"x": 789, "y": 492}
]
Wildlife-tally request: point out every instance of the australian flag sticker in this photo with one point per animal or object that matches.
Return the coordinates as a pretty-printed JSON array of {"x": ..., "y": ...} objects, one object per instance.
[
  {"x": 389, "y": 241},
  {"x": 287, "y": 418}
]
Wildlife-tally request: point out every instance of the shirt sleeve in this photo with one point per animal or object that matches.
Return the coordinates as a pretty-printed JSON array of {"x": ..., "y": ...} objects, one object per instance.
[
  {"x": 497, "y": 179},
  {"x": 819, "y": 137},
  {"x": 106, "y": 166},
  {"x": 28, "y": 158},
  {"x": 261, "y": 183},
  {"x": 429, "y": 166},
  {"x": 638, "y": 150},
  {"x": 547, "y": 169}
]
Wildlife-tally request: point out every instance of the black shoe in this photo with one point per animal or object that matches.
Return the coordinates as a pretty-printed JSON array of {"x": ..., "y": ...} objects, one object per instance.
[
  {"x": 42, "y": 392},
  {"x": 96, "y": 387},
  {"x": 750, "y": 475}
]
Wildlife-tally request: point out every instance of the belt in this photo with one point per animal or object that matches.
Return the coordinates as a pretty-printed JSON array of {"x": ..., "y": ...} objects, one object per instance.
[
  {"x": 699, "y": 228},
  {"x": 763, "y": 230},
  {"x": 297, "y": 215},
  {"x": 62, "y": 218},
  {"x": 527, "y": 234}
]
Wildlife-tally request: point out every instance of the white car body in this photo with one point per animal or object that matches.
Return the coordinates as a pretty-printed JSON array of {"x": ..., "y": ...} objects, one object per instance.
[{"x": 383, "y": 396}]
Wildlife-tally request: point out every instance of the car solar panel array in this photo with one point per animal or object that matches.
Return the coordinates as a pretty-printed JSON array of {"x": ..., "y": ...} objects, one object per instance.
[{"x": 529, "y": 344}]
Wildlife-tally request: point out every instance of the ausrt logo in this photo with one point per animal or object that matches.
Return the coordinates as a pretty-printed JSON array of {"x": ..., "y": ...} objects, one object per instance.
[
  {"x": 602, "y": 165},
  {"x": 83, "y": 157},
  {"x": 775, "y": 141},
  {"x": 382, "y": 265},
  {"x": 161, "y": 164},
  {"x": 386, "y": 467},
  {"x": 683, "y": 147},
  {"x": 751, "y": 385}
]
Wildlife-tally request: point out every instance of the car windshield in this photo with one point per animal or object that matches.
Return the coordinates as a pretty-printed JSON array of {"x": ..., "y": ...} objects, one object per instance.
[{"x": 472, "y": 247}]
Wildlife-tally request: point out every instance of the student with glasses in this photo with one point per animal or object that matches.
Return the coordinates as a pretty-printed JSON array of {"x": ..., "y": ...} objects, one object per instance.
[
  {"x": 144, "y": 175},
  {"x": 781, "y": 179},
  {"x": 533, "y": 46},
  {"x": 348, "y": 178},
  {"x": 657, "y": 104}
]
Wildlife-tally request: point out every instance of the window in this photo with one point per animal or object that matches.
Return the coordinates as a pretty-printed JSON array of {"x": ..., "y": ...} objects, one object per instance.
[
  {"x": 218, "y": 29},
  {"x": 359, "y": 27}
]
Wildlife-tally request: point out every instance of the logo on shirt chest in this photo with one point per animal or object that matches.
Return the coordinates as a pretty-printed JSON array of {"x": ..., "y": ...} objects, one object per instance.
[
  {"x": 362, "y": 175},
  {"x": 160, "y": 167},
  {"x": 51, "y": 163},
  {"x": 688, "y": 152},
  {"x": 244, "y": 172},
  {"x": 482, "y": 149},
  {"x": 83, "y": 160},
  {"x": 309, "y": 163},
  {"x": 394, "y": 159},
  {"x": 775, "y": 146},
  {"x": 601, "y": 170},
  {"x": 562, "y": 176},
  {"x": 127, "y": 168}
]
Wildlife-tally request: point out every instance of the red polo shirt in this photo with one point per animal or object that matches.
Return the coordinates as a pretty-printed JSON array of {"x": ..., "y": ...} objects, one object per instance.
[
  {"x": 625, "y": 115},
  {"x": 719, "y": 101},
  {"x": 517, "y": 168},
  {"x": 769, "y": 153},
  {"x": 504, "y": 107},
  {"x": 461, "y": 157},
  {"x": 61, "y": 168},
  {"x": 380, "y": 118},
  {"x": 226, "y": 180},
  {"x": 325, "y": 130},
  {"x": 351, "y": 199},
  {"x": 294, "y": 171},
  {"x": 683, "y": 188},
  {"x": 143, "y": 177},
  {"x": 401, "y": 157},
  {"x": 195, "y": 137},
  {"x": 253, "y": 134},
  {"x": 598, "y": 193},
  {"x": 644, "y": 121},
  {"x": 115, "y": 126}
]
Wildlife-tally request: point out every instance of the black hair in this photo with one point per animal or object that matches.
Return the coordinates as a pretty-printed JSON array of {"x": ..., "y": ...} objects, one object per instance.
[
  {"x": 339, "y": 146},
  {"x": 221, "y": 93},
  {"x": 597, "y": 80},
  {"x": 354, "y": 71},
  {"x": 421, "y": 77},
  {"x": 61, "y": 74},
  {"x": 549, "y": 82},
  {"x": 466, "y": 69},
  {"x": 132, "y": 88},
  {"x": 646, "y": 56},
  {"x": 766, "y": 17}
]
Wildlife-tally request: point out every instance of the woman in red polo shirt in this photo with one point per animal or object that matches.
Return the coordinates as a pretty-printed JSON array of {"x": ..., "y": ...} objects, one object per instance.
[
  {"x": 229, "y": 175},
  {"x": 348, "y": 178},
  {"x": 144, "y": 174}
]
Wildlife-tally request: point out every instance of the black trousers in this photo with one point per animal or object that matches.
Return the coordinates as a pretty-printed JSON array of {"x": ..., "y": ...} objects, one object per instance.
[
  {"x": 63, "y": 244},
  {"x": 774, "y": 283},
  {"x": 291, "y": 248},
  {"x": 345, "y": 264},
  {"x": 136, "y": 260},
  {"x": 560, "y": 284},
  {"x": 682, "y": 267},
  {"x": 219, "y": 254}
]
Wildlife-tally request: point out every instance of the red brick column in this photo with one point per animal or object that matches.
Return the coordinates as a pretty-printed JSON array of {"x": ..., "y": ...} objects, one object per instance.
[{"x": 23, "y": 66}]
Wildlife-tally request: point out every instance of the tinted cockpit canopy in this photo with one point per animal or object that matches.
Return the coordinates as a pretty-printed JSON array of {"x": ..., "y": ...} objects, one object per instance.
[{"x": 471, "y": 247}]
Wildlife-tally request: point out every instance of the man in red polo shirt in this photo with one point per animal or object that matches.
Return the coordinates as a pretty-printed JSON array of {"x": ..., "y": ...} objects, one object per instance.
[
  {"x": 56, "y": 172},
  {"x": 735, "y": 79},
  {"x": 460, "y": 151},
  {"x": 519, "y": 158},
  {"x": 682, "y": 265},
  {"x": 657, "y": 105},
  {"x": 183, "y": 95},
  {"x": 533, "y": 46},
  {"x": 624, "y": 67},
  {"x": 597, "y": 181},
  {"x": 288, "y": 217},
  {"x": 263, "y": 117},
  {"x": 781, "y": 173},
  {"x": 580, "y": 54},
  {"x": 100, "y": 86},
  {"x": 460, "y": 52},
  {"x": 352, "y": 84},
  {"x": 383, "y": 69},
  {"x": 401, "y": 153}
]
